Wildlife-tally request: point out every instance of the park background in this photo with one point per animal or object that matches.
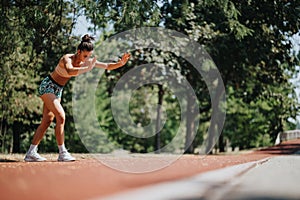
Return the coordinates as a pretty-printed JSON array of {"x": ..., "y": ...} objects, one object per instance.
[{"x": 253, "y": 44}]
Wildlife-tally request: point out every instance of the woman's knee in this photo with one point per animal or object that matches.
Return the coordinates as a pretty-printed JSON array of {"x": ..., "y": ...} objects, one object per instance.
[
  {"x": 47, "y": 120},
  {"x": 60, "y": 118},
  {"x": 53, "y": 105}
]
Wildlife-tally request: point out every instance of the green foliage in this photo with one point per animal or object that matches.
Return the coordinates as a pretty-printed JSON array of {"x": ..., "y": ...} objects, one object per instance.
[
  {"x": 91, "y": 131},
  {"x": 121, "y": 14},
  {"x": 32, "y": 33},
  {"x": 248, "y": 41}
]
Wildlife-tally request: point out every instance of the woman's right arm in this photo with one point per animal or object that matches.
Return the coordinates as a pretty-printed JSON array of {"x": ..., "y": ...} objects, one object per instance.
[
  {"x": 69, "y": 66},
  {"x": 74, "y": 71}
]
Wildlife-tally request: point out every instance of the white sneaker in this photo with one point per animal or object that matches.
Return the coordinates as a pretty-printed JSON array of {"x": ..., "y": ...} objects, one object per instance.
[
  {"x": 33, "y": 156},
  {"x": 65, "y": 157}
]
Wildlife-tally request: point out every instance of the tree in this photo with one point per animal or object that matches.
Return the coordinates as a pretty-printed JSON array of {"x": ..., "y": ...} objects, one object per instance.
[{"x": 248, "y": 40}]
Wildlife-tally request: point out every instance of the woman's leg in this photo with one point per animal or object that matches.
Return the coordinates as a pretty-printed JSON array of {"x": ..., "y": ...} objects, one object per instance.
[
  {"x": 32, "y": 155},
  {"x": 48, "y": 117},
  {"x": 54, "y": 106}
]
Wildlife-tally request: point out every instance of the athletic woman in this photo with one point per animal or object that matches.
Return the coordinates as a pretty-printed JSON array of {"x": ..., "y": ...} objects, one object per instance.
[{"x": 50, "y": 91}]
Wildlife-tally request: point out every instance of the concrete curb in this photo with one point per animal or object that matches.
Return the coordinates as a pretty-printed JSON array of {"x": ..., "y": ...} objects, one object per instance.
[
  {"x": 276, "y": 179},
  {"x": 190, "y": 188}
]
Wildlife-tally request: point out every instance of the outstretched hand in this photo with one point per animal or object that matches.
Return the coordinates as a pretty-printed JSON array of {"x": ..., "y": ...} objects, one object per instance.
[{"x": 124, "y": 59}]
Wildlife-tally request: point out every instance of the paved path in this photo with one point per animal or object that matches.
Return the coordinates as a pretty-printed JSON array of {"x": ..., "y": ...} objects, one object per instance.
[
  {"x": 279, "y": 178},
  {"x": 275, "y": 178},
  {"x": 87, "y": 178}
]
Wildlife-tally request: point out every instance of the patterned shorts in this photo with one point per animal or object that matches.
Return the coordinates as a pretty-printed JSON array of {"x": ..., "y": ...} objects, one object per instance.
[{"x": 48, "y": 85}]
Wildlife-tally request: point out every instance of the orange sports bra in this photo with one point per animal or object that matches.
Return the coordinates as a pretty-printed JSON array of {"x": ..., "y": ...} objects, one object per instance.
[{"x": 62, "y": 72}]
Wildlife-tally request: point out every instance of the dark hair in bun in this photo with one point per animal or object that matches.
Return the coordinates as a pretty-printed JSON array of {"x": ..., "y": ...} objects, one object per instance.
[{"x": 86, "y": 43}]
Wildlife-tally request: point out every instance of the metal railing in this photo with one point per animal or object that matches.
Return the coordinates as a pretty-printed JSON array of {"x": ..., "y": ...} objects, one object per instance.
[{"x": 287, "y": 135}]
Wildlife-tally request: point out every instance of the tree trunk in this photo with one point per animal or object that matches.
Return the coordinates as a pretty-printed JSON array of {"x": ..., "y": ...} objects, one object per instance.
[
  {"x": 190, "y": 125},
  {"x": 221, "y": 143},
  {"x": 3, "y": 136},
  {"x": 216, "y": 124},
  {"x": 158, "y": 118},
  {"x": 16, "y": 137}
]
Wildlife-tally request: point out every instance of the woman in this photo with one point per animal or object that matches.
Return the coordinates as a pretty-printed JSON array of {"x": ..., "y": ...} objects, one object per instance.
[{"x": 50, "y": 91}]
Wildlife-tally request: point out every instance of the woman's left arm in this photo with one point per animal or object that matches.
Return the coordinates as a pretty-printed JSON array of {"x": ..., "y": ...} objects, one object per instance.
[{"x": 112, "y": 66}]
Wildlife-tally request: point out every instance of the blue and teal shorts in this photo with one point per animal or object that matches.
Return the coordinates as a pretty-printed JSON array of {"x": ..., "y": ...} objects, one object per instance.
[{"x": 48, "y": 85}]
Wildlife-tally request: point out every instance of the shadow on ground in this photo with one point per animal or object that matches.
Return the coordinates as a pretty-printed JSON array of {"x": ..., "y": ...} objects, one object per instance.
[{"x": 7, "y": 160}]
